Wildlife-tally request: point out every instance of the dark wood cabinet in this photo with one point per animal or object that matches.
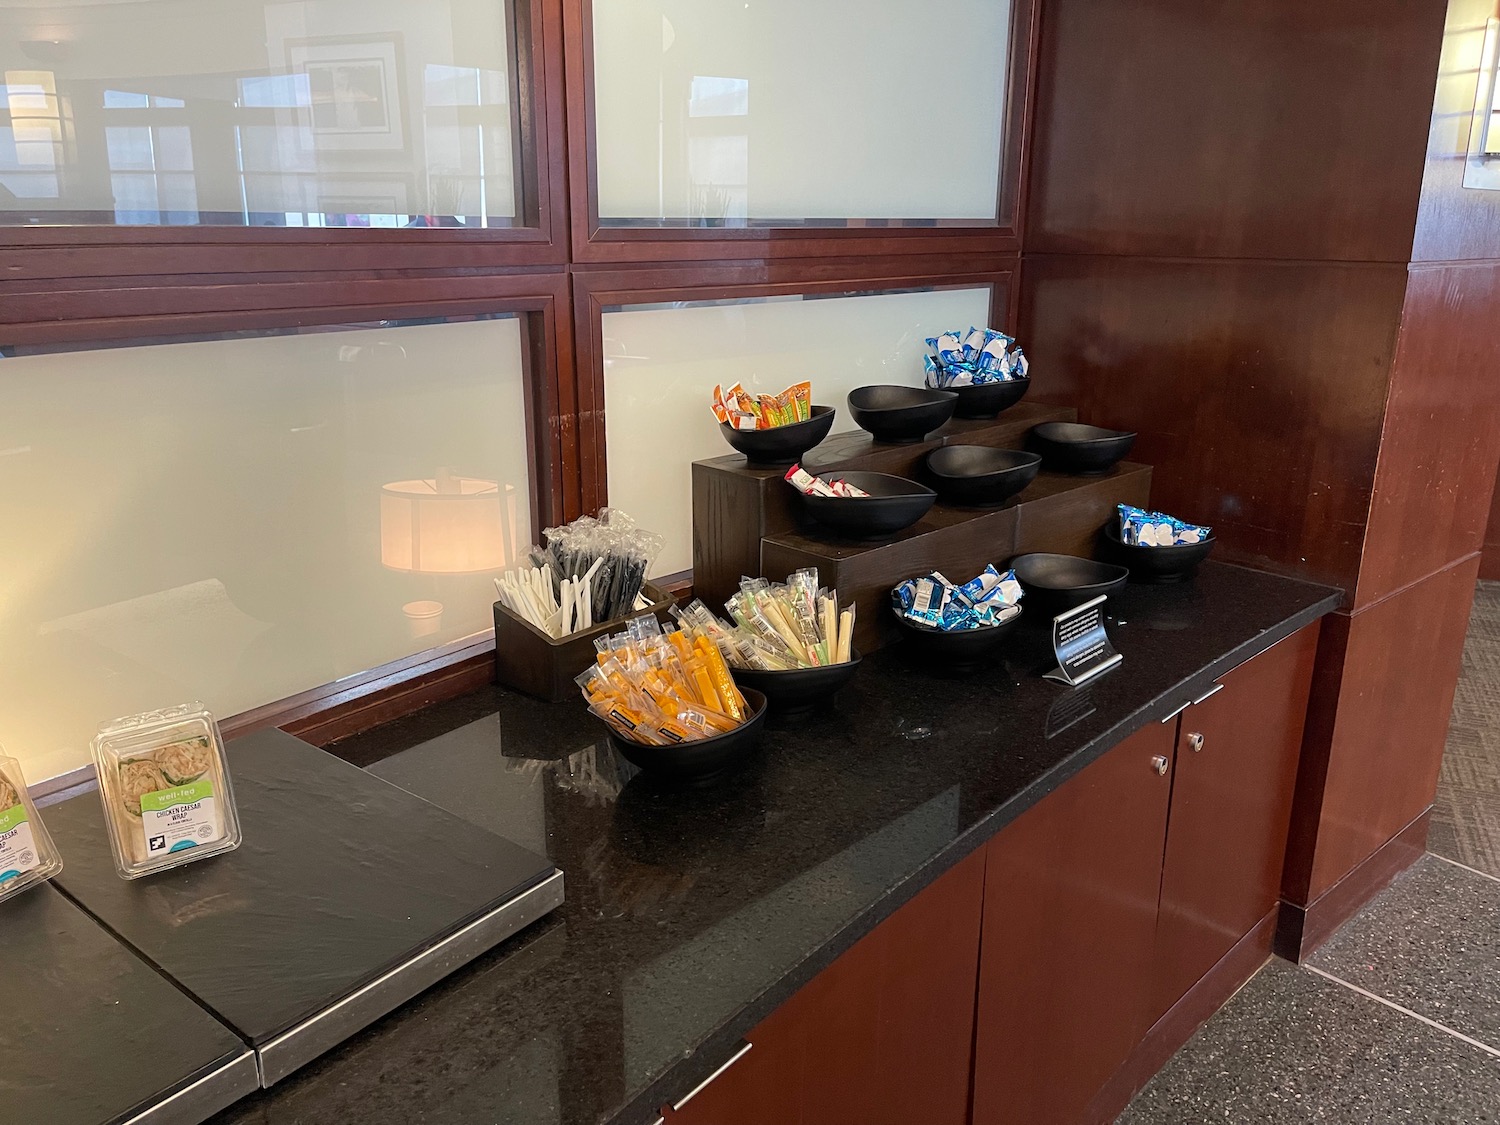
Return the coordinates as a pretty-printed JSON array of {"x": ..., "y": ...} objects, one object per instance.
[
  {"x": 1101, "y": 907},
  {"x": 883, "y": 1036},
  {"x": 1070, "y": 901},
  {"x": 1235, "y": 771}
]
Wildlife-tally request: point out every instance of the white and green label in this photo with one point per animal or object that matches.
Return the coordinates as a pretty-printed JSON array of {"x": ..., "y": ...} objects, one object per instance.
[
  {"x": 17, "y": 846},
  {"x": 184, "y": 816}
]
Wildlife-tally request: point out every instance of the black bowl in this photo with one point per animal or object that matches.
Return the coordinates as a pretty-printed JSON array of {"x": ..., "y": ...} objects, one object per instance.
[
  {"x": 988, "y": 399},
  {"x": 894, "y": 503},
  {"x": 1072, "y": 447},
  {"x": 900, "y": 415},
  {"x": 1054, "y": 583},
  {"x": 703, "y": 759},
  {"x": 1153, "y": 564},
  {"x": 979, "y": 476},
  {"x": 958, "y": 652},
  {"x": 781, "y": 445},
  {"x": 796, "y": 691}
]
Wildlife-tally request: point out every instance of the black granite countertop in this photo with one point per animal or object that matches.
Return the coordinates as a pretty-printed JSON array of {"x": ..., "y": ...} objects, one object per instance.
[{"x": 691, "y": 914}]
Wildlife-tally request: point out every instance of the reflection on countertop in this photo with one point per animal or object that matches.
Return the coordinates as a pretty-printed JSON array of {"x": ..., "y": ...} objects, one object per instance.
[{"x": 692, "y": 913}]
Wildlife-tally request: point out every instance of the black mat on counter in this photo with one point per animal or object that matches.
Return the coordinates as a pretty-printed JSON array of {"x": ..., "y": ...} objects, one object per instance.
[
  {"x": 341, "y": 878},
  {"x": 91, "y": 1034}
]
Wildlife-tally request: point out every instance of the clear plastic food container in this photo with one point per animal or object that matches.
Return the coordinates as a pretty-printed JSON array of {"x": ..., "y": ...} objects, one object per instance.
[
  {"x": 165, "y": 787},
  {"x": 27, "y": 854}
]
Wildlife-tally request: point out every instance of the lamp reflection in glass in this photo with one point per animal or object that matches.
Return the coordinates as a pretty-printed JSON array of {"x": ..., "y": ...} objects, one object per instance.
[{"x": 446, "y": 525}]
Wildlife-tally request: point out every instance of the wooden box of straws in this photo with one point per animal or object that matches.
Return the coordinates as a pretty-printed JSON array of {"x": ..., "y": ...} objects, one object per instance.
[{"x": 528, "y": 660}]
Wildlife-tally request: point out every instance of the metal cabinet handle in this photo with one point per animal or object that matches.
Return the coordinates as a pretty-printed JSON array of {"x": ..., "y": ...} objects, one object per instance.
[
  {"x": 1209, "y": 693},
  {"x": 698, "y": 1089},
  {"x": 1160, "y": 763},
  {"x": 1195, "y": 742}
]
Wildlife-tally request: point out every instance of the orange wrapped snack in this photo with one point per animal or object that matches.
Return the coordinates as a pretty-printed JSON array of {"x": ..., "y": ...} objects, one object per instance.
[
  {"x": 738, "y": 408},
  {"x": 659, "y": 688},
  {"x": 729, "y": 695},
  {"x": 801, "y": 395}
]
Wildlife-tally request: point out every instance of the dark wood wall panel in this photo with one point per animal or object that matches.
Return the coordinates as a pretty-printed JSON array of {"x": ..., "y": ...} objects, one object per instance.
[
  {"x": 73, "y": 310},
  {"x": 1219, "y": 127},
  {"x": 1441, "y": 442},
  {"x": 277, "y": 253},
  {"x": 1257, "y": 389},
  {"x": 1376, "y": 726},
  {"x": 1455, "y": 222}
]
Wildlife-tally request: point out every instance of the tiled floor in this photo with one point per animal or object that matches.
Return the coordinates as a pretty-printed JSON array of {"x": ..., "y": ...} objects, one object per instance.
[
  {"x": 1466, "y": 814},
  {"x": 1397, "y": 1017}
]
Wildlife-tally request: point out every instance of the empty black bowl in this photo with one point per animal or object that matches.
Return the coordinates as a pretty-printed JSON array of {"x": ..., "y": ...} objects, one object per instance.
[
  {"x": 1054, "y": 583},
  {"x": 1153, "y": 564},
  {"x": 894, "y": 503},
  {"x": 900, "y": 414},
  {"x": 1072, "y": 447},
  {"x": 796, "y": 691},
  {"x": 958, "y": 652},
  {"x": 705, "y": 758},
  {"x": 979, "y": 476},
  {"x": 781, "y": 445},
  {"x": 988, "y": 399}
]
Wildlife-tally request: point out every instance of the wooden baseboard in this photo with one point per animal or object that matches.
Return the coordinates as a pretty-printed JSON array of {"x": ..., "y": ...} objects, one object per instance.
[
  {"x": 1302, "y": 929},
  {"x": 1186, "y": 1016}
]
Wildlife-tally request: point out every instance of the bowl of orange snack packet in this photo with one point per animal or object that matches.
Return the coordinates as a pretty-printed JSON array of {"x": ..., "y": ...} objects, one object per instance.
[
  {"x": 772, "y": 429},
  {"x": 669, "y": 703}
]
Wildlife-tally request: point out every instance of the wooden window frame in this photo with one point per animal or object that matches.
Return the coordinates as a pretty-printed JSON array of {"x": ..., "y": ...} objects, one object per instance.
[
  {"x": 594, "y": 243},
  {"x": 84, "y": 284},
  {"x": 367, "y": 698},
  {"x": 596, "y": 290},
  {"x": 40, "y": 254},
  {"x": 101, "y": 315}
]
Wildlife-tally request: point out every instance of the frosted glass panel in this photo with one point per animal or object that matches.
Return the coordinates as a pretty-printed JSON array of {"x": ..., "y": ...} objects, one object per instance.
[
  {"x": 250, "y": 113},
  {"x": 233, "y": 519},
  {"x": 727, "y": 113},
  {"x": 661, "y": 364}
]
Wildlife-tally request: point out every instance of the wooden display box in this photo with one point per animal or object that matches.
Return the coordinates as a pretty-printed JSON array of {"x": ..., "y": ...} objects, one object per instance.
[
  {"x": 530, "y": 661},
  {"x": 1056, "y": 512},
  {"x": 737, "y": 505}
]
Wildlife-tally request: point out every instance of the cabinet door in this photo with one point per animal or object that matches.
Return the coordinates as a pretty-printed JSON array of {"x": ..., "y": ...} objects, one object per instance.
[
  {"x": 883, "y": 1036},
  {"x": 1237, "y": 756},
  {"x": 1069, "y": 929}
]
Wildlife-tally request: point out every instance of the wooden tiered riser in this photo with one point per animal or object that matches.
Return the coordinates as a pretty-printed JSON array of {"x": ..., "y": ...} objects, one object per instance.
[
  {"x": 749, "y": 521},
  {"x": 736, "y": 505},
  {"x": 1056, "y": 513}
]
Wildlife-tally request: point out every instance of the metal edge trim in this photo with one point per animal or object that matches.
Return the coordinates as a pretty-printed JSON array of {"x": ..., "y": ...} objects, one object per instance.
[
  {"x": 200, "y": 1100},
  {"x": 698, "y": 1089},
  {"x": 299, "y": 1045},
  {"x": 1167, "y": 718},
  {"x": 1209, "y": 694},
  {"x": 64, "y": 785},
  {"x": 1069, "y": 614}
]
